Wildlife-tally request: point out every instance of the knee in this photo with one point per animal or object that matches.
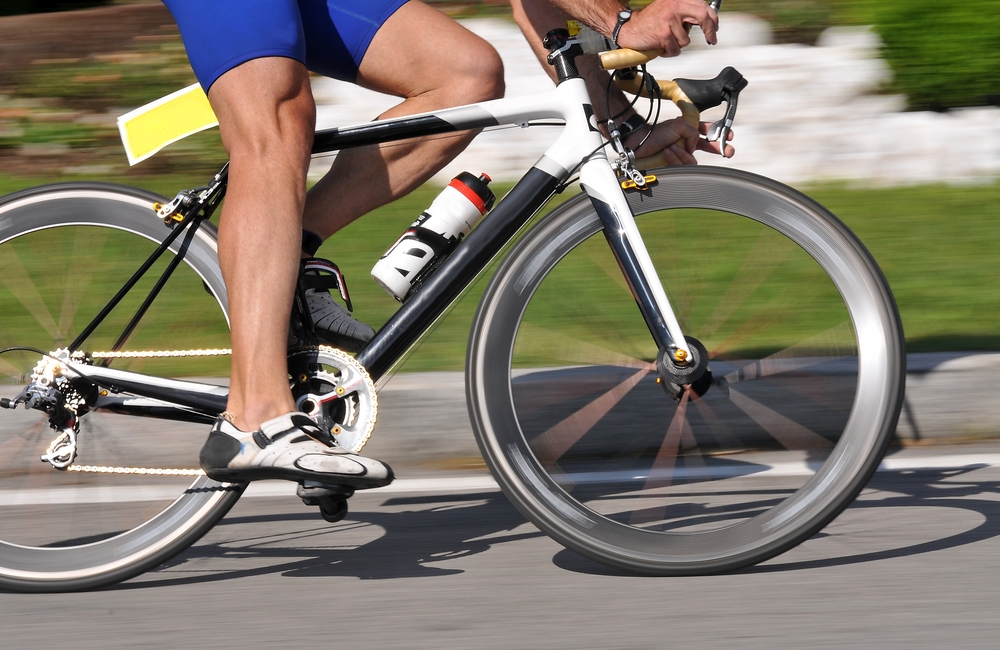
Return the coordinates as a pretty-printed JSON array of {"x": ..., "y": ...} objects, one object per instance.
[
  {"x": 480, "y": 78},
  {"x": 271, "y": 126}
]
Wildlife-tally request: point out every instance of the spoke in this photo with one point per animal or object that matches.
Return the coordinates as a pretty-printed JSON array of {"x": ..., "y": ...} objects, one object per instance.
[
  {"x": 661, "y": 473},
  {"x": 554, "y": 443},
  {"x": 10, "y": 449},
  {"x": 536, "y": 390},
  {"x": 763, "y": 320},
  {"x": 10, "y": 370},
  {"x": 758, "y": 265},
  {"x": 605, "y": 260},
  {"x": 535, "y": 340},
  {"x": 820, "y": 389},
  {"x": 717, "y": 427},
  {"x": 80, "y": 272},
  {"x": 788, "y": 433},
  {"x": 15, "y": 277},
  {"x": 837, "y": 343}
]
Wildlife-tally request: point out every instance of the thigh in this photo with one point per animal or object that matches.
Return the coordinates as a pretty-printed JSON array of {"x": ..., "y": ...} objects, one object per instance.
[
  {"x": 419, "y": 50},
  {"x": 221, "y": 34},
  {"x": 338, "y": 33}
]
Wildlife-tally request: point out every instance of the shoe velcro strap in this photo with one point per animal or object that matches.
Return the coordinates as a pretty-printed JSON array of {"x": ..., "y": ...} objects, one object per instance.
[
  {"x": 261, "y": 439},
  {"x": 323, "y": 275},
  {"x": 320, "y": 282},
  {"x": 307, "y": 426}
]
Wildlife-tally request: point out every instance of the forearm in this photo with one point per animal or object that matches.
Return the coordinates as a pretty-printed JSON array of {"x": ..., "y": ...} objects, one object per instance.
[
  {"x": 675, "y": 139},
  {"x": 536, "y": 18}
]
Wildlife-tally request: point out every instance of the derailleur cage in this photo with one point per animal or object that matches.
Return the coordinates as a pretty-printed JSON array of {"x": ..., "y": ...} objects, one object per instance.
[{"x": 62, "y": 451}]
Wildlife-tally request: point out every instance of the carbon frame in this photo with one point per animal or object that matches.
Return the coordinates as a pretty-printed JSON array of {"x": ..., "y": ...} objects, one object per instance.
[{"x": 579, "y": 146}]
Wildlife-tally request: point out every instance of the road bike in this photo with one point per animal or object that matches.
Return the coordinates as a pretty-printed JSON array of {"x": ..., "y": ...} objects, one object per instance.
[{"x": 693, "y": 434}]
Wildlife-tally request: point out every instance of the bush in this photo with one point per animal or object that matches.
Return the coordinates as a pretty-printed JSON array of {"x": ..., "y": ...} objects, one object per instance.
[
  {"x": 943, "y": 54},
  {"x": 792, "y": 21}
]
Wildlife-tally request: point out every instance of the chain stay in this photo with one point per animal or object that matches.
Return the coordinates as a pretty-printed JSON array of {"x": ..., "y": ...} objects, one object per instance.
[{"x": 147, "y": 354}]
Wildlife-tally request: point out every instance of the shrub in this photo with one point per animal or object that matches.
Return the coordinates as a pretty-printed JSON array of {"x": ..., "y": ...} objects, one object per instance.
[
  {"x": 792, "y": 21},
  {"x": 943, "y": 54}
]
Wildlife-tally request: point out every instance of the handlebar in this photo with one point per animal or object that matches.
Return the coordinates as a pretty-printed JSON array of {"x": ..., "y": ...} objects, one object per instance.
[
  {"x": 626, "y": 58},
  {"x": 691, "y": 96}
]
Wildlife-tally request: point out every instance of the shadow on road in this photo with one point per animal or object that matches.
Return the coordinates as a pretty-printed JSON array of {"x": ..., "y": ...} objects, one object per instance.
[
  {"x": 407, "y": 537},
  {"x": 951, "y": 488},
  {"x": 430, "y": 529}
]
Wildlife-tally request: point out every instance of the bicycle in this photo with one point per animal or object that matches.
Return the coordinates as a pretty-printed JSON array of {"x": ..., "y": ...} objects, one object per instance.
[{"x": 658, "y": 441}]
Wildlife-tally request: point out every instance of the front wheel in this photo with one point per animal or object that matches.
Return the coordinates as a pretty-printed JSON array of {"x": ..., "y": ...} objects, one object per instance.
[{"x": 806, "y": 363}]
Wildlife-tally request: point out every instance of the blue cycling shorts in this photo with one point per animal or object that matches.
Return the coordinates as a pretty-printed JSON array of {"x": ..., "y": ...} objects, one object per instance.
[{"x": 329, "y": 36}]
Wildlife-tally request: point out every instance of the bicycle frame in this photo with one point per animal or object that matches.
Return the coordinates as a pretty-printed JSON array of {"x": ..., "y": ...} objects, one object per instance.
[{"x": 579, "y": 146}]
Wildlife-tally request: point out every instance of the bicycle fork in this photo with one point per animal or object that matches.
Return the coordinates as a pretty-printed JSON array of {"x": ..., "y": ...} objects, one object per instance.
[{"x": 608, "y": 199}]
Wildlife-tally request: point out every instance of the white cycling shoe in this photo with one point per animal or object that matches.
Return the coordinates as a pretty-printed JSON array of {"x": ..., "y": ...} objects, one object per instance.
[{"x": 289, "y": 447}]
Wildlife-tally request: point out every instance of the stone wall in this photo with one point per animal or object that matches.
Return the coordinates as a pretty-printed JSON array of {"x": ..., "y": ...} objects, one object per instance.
[{"x": 809, "y": 113}]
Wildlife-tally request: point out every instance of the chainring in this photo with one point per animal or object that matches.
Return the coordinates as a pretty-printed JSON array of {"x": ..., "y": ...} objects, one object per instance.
[{"x": 333, "y": 389}]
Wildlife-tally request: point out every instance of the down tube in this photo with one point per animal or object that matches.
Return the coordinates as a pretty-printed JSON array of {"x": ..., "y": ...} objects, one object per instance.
[{"x": 458, "y": 271}]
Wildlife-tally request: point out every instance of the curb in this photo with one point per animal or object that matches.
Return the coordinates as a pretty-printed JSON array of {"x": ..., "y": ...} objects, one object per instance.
[{"x": 423, "y": 421}]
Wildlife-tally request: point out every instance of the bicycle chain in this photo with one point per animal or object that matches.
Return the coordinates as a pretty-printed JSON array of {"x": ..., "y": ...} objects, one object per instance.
[
  {"x": 150, "y": 354},
  {"x": 155, "y": 354}
]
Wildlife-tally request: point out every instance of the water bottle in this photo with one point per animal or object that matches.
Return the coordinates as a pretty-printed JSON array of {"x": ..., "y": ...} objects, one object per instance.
[{"x": 429, "y": 239}]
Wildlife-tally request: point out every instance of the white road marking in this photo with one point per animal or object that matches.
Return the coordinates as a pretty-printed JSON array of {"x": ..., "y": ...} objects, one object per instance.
[{"x": 446, "y": 485}]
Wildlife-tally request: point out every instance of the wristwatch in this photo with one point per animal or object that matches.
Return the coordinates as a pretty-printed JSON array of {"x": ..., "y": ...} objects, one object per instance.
[{"x": 623, "y": 17}]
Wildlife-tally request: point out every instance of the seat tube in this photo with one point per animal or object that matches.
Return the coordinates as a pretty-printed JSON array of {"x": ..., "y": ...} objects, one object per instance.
[{"x": 606, "y": 195}]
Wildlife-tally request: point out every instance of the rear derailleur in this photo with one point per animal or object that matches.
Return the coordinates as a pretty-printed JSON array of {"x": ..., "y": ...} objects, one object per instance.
[{"x": 64, "y": 398}]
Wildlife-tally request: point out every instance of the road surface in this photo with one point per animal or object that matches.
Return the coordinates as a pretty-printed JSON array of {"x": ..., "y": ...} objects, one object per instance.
[{"x": 914, "y": 563}]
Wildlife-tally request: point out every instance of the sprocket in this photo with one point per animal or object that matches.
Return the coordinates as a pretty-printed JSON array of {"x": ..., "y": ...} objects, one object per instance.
[{"x": 333, "y": 389}]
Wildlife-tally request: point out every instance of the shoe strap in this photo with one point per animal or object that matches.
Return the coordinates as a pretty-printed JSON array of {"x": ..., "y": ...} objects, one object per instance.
[
  {"x": 288, "y": 424},
  {"x": 323, "y": 275}
]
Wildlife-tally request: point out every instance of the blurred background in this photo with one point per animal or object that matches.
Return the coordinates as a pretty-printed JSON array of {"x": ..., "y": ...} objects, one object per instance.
[{"x": 885, "y": 112}]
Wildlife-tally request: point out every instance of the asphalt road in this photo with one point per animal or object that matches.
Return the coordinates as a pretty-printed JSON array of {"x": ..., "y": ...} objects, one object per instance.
[{"x": 914, "y": 563}]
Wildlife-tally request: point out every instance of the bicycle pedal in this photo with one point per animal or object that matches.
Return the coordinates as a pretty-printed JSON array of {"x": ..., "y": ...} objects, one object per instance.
[
  {"x": 317, "y": 490},
  {"x": 331, "y": 499}
]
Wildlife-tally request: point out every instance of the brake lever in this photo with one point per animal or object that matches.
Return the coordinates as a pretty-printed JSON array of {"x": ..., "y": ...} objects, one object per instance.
[{"x": 719, "y": 131}]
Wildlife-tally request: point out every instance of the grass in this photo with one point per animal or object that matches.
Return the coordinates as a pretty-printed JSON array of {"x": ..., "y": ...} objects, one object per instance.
[{"x": 937, "y": 246}]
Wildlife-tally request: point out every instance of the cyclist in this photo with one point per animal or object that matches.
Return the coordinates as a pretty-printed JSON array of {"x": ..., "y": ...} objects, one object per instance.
[{"x": 252, "y": 59}]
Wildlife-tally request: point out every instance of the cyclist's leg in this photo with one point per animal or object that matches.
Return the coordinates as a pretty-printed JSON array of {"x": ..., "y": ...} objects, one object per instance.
[
  {"x": 268, "y": 135},
  {"x": 250, "y": 59},
  {"x": 267, "y": 119},
  {"x": 432, "y": 62}
]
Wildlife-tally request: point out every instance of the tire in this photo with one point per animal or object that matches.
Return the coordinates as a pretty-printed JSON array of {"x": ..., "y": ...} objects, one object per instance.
[
  {"x": 64, "y": 251},
  {"x": 805, "y": 349}
]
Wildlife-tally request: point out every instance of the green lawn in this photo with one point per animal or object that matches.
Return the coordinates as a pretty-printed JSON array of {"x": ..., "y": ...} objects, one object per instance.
[{"x": 937, "y": 246}]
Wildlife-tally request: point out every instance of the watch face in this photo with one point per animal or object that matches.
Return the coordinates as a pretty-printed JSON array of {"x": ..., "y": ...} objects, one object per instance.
[{"x": 624, "y": 14}]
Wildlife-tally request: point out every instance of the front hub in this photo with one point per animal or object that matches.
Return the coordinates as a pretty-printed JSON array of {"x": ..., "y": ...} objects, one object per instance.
[{"x": 694, "y": 373}]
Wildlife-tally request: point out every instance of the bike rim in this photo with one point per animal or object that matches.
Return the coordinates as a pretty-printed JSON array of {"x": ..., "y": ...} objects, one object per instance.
[
  {"x": 63, "y": 254},
  {"x": 787, "y": 431}
]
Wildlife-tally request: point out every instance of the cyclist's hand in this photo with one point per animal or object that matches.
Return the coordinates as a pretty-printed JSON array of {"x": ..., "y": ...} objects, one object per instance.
[
  {"x": 678, "y": 141},
  {"x": 664, "y": 25}
]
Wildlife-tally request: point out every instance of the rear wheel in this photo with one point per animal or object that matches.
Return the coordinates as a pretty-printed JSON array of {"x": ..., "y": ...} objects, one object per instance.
[
  {"x": 806, "y": 359},
  {"x": 64, "y": 251}
]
